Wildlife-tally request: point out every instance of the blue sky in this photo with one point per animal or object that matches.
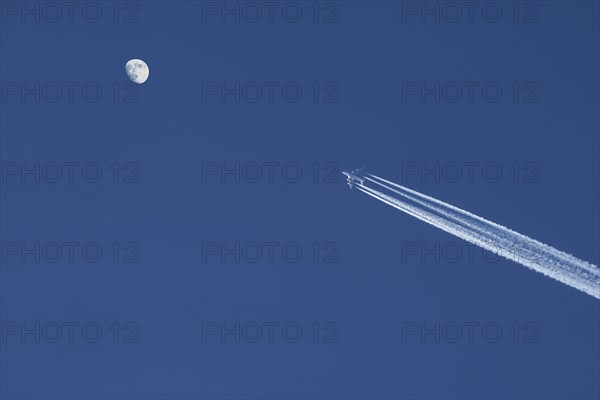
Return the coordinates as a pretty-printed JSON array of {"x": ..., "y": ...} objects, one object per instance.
[{"x": 296, "y": 98}]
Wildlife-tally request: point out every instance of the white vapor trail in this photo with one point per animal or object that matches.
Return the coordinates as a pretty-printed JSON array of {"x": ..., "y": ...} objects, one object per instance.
[{"x": 496, "y": 238}]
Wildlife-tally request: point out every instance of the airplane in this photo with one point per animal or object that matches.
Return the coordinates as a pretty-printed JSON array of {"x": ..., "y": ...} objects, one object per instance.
[{"x": 352, "y": 177}]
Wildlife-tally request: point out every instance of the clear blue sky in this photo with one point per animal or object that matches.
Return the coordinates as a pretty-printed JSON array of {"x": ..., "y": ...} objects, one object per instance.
[{"x": 368, "y": 79}]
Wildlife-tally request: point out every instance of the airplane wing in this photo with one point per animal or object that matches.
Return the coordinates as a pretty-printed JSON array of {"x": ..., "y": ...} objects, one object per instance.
[{"x": 352, "y": 178}]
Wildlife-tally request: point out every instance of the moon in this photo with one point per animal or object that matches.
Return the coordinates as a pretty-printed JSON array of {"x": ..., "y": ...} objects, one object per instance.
[{"x": 137, "y": 70}]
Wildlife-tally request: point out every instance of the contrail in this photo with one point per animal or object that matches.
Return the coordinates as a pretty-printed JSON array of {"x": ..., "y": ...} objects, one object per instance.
[{"x": 496, "y": 238}]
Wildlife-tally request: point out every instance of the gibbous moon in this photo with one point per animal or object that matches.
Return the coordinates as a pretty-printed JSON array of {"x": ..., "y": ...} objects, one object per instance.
[{"x": 137, "y": 70}]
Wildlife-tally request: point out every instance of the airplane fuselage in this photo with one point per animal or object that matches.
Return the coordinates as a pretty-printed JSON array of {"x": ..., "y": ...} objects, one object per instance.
[{"x": 353, "y": 178}]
